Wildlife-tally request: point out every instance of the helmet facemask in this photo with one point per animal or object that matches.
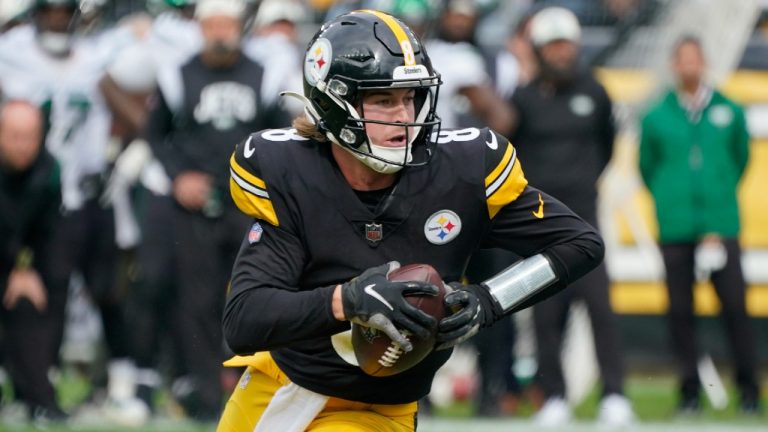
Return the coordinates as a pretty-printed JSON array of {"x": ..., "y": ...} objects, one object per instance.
[
  {"x": 363, "y": 52},
  {"x": 347, "y": 94}
]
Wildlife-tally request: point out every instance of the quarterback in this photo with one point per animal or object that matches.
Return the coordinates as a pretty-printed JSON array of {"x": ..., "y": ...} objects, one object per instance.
[{"x": 365, "y": 181}]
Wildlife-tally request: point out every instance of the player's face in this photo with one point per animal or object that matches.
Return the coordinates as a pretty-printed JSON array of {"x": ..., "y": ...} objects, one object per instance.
[
  {"x": 56, "y": 19},
  {"x": 20, "y": 137},
  {"x": 689, "y": 63},
  {"x": 395, "y": 106},
  {"x": 457, "y": 26},
  {"x": 221, "y": 33},
  {"x": 560, "y": 55}
]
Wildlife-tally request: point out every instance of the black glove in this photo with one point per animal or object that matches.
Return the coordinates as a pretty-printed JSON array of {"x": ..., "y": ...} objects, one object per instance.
[
  {"x": 373, "y": 301},
  {"x": 474, "y": 309}
]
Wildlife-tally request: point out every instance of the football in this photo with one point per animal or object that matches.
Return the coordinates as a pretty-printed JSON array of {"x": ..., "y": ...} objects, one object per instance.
[{"x": 376, "y": 354}]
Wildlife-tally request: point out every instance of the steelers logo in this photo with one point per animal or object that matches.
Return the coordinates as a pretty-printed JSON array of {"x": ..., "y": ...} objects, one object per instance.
[
  {"x": 442, "y": 227},
  {"x": 317, "y": 61}
]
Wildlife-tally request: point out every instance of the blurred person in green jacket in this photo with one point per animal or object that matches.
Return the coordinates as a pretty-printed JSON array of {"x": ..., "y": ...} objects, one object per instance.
[{"x": 693, "y": 151}]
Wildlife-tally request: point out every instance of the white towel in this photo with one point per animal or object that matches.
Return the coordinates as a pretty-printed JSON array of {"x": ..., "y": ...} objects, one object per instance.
[{"x": 291, "y": 409}]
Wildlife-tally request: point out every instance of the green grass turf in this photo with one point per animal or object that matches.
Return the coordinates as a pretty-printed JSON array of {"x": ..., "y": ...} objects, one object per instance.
[{"x": 653, "y": 398}]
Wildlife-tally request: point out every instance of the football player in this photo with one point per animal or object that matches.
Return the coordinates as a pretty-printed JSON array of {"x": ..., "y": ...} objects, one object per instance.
[{"x": 363, "y": 182}]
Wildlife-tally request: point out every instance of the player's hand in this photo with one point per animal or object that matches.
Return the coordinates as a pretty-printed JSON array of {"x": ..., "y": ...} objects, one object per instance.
[
  {"x": 473, "y": 308},
  {"x": 373, "y": 301},
  {"x": 25, "y": 284},
  {"x": 192, "y": 189}
]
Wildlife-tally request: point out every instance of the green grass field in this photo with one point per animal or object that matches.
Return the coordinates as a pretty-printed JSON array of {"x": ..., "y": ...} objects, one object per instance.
[{"x": 653, "y": 398}]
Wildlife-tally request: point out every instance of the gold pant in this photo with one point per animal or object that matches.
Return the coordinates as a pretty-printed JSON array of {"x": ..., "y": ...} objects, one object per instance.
[{"x": 263, "y": 378}]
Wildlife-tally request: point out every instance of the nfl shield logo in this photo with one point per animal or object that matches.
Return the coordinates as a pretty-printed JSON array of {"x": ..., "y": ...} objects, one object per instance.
[
  {"x": 254, "y": 235},
  {"x": 373, "y": 232}
]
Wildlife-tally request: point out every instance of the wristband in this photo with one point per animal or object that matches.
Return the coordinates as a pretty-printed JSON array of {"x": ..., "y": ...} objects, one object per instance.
[{"x": 521, "y": 280}]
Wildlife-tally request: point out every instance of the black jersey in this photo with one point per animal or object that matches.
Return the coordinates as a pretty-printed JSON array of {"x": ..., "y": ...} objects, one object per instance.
[
  {"x": 558, "y": 125},
  {"x": 312, "y": 232},
  {"x": 200, "y": 113},
  {"x": 29, "y": 210}
]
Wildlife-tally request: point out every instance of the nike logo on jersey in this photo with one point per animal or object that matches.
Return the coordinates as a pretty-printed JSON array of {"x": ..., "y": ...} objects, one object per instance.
[
  {"x": 372, "y": 292},
  {"x": 493, "y": 144},
  {"x": 540, "y": 212},
  {"x": 248, "y": 151}
]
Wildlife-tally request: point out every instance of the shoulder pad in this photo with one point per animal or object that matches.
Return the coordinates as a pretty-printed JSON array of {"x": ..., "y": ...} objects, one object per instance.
[
  {"x": 504, "y": 177},
  {"x": 246, "y": 184}
]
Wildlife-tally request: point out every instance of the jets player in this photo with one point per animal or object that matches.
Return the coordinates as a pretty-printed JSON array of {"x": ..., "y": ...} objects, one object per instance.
[
  {"x": 173, "y": 38},
  {"x": 365, "y": 181}
]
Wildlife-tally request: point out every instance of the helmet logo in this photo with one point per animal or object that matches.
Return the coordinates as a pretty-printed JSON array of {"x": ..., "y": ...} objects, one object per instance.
[{"x": 317, "y": 61}]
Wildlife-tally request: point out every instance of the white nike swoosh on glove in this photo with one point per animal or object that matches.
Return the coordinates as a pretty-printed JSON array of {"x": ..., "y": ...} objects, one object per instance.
[{"x": 372, "y": 292}]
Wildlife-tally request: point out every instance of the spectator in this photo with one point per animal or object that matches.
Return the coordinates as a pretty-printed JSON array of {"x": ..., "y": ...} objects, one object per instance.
[
  {"x": 201, "y": 110},
  {"x": 467, "y": 96},
  {"x": 693, "y": 152},
  {"x": 30, "y": 195},
  {"x": 565, "y": 126}
]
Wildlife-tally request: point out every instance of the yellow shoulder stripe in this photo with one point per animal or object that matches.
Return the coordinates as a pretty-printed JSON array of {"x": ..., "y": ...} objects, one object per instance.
[
  {"x": 505, "y": 183},
  {"x": 490, "y": 178},
  {"x": 245, "y": 175},
  {"x": 397, "y": 29},
  {"x": 250, "y": 194},
  {"x": 252, "y": 205}
]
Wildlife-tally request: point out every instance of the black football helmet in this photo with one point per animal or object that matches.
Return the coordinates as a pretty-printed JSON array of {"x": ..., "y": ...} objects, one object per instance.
[{"x": 367, "y": 50}]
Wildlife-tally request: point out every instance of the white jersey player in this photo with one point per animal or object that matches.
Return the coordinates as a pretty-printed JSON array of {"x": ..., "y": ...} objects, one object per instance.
[
  {"x": 61, "y": 77},
  {"x": 466, "y": 95},
  {"x": 173, "y": 38},
  {"x": 274, "y": 46},
  {"x": 50, "y": 65}
]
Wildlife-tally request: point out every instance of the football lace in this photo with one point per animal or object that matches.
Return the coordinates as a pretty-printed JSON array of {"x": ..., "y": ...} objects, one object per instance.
[{"x": 391, "y": 355}]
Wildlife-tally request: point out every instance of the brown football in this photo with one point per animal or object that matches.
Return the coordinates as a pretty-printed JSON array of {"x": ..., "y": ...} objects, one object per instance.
[{"x": 376, "y": 354}]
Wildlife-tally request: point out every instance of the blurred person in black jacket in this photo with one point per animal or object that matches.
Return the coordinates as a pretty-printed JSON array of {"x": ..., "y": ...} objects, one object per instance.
[
  {"x": 30, "y": 197},
  {"x": 202, "y": 109},
  {"x": 564, "y": 132}
]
